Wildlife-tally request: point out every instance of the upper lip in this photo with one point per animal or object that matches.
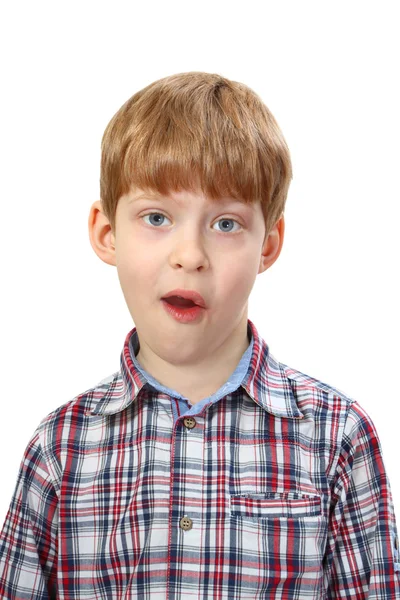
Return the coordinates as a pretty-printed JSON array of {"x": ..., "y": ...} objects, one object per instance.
[{"x": 189, "y": 295}]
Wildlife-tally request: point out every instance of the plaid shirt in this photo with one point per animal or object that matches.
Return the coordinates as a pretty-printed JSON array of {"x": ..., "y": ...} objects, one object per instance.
[{"x": 274, "y": 488}]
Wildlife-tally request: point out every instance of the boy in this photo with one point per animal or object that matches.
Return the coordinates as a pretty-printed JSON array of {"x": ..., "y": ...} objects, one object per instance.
[{"x": 204, "y": 467}]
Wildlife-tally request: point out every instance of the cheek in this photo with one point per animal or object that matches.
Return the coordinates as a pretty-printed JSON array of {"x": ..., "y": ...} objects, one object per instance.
[
  {"x": 133, "y": 259},
  {"x": 138, "y": 273},
  {"x": 237, "y": 278}
]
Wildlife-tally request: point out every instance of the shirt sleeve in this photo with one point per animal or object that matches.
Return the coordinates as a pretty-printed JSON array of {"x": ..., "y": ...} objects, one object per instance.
[
  {"x": 28, "y": 540},
  {"x": 362, "y": 556}
]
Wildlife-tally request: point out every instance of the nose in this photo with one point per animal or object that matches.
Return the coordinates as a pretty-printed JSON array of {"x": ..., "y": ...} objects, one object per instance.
[{"x": 189, "y": 253}]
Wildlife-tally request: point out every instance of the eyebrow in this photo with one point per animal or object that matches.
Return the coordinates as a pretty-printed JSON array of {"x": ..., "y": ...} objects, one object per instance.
[
  {"x": 157, "y": 197},
  {"x": 145, "y": 196}
]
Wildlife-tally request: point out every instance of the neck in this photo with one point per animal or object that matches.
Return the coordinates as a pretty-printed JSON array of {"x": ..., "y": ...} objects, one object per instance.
[{"x": 206, "y": 376}]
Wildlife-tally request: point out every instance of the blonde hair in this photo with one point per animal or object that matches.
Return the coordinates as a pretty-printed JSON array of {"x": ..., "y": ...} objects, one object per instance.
[{"x": 193, "y": 130}]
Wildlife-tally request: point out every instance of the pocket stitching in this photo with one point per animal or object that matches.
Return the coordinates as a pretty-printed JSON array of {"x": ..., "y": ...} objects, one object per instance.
[{"x": 313, "y": 506}]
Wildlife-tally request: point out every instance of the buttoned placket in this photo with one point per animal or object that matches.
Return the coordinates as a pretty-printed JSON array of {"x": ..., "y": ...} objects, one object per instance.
[{"x": 186, "y": 499}]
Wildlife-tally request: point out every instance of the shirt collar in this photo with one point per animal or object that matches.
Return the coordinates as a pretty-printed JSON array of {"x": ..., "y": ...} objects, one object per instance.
[{"x": 266, "y": 381}]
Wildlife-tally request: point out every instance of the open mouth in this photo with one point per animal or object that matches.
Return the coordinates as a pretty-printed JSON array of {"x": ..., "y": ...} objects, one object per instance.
[
  {"x": 183, "y": 310},
  {"x": 178, "y": 301}
]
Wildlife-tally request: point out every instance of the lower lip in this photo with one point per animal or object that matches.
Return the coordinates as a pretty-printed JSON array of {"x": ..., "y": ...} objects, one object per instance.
[{"x": 183, "y": 315}]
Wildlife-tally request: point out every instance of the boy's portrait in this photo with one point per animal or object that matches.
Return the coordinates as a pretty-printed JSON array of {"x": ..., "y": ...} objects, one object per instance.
[{"x": 210, "y": 463}]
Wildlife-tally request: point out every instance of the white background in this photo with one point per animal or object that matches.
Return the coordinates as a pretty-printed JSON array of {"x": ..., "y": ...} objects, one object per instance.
[{"x": 328, "y": 72}]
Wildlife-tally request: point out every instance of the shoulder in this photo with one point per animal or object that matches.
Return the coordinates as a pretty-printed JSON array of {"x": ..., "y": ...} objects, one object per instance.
[
  {"x": 67, "y": 426},
  {"x": 315, "y": 394},
  {"x": 328, "y": 405},
  {"x": 337, "y": 423},
  {"x": 76, "y": 407}
]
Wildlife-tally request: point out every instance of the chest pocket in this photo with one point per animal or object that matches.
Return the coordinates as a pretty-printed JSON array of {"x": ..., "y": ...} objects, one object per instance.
[
  {"x": 270, "y": 505},
  {"x": 282, "y": 535}
]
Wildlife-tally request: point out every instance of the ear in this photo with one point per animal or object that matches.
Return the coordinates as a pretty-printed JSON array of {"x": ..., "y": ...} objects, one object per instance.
[
  {"x": 272, "y": 245},
  {"x": 100, "y": 234}
]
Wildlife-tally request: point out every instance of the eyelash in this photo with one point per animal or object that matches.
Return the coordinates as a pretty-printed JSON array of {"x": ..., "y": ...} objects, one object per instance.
[{"x": 222, "y": 219}]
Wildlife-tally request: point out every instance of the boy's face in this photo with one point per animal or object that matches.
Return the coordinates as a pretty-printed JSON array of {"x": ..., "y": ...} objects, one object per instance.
[{"x": 216, "y": 248}]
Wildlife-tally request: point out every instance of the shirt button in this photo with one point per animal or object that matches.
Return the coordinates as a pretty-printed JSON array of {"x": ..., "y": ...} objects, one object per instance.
[
  {"x": 189, "y": 422},
  {"x": 186, "y": 523}
]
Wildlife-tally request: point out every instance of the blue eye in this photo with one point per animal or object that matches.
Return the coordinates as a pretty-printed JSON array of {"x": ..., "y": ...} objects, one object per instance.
[
  {"x": 225, "y": 220},
  {"x": 157, "y": 222},
  {"x": 157, "y": 214}
]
